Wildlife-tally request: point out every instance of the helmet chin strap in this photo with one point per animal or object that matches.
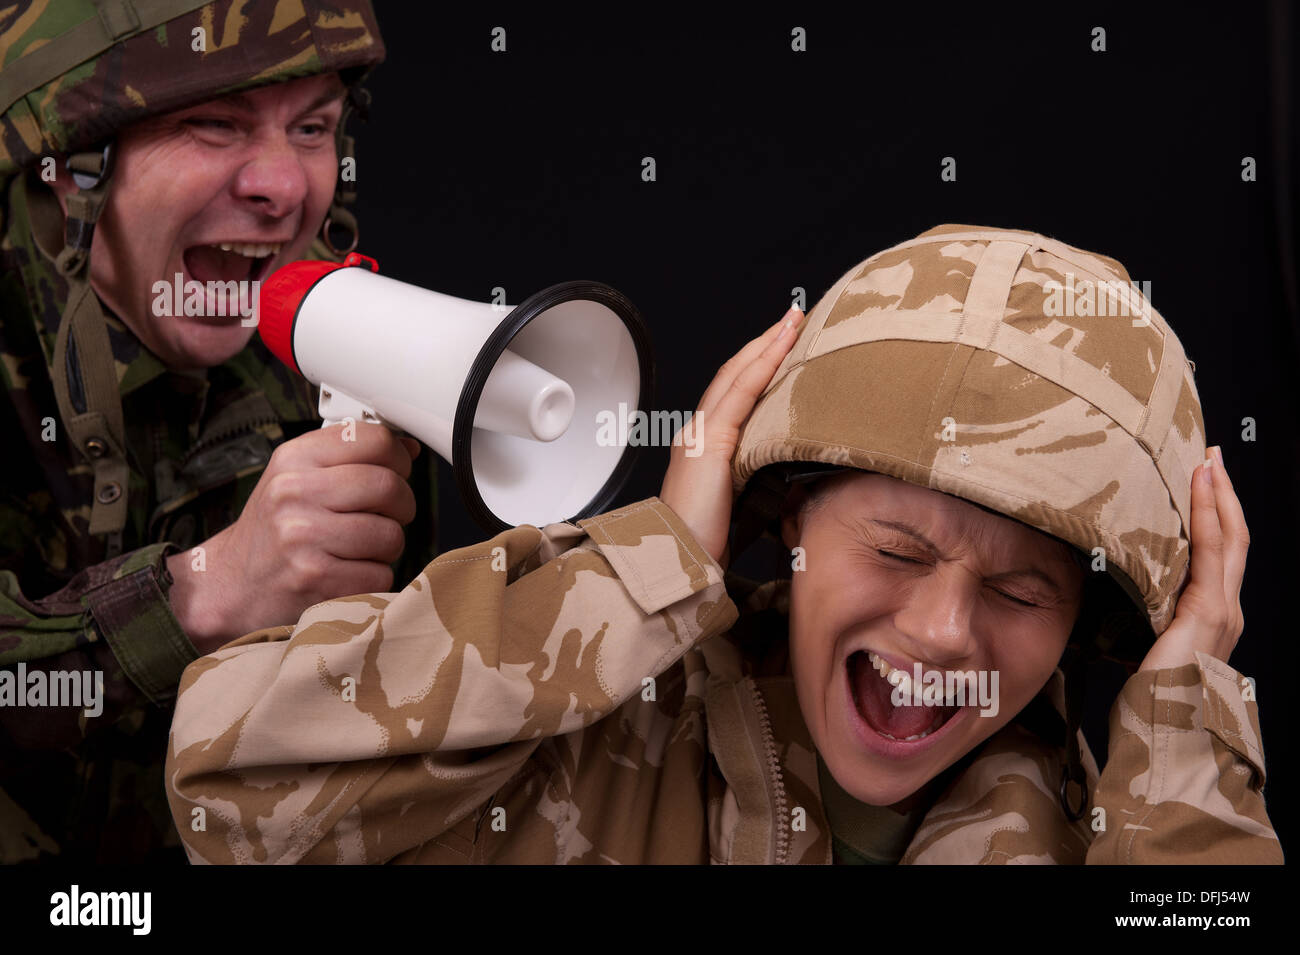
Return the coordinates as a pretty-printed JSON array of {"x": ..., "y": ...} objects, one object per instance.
[
  {"x": 1074, "y": 670},
  {"x": 345, "y": 193},
  {"x": 84, "y": 373}
]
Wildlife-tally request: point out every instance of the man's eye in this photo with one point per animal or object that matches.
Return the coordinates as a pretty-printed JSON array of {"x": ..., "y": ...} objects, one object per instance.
[{"x": 314, "y": 129}]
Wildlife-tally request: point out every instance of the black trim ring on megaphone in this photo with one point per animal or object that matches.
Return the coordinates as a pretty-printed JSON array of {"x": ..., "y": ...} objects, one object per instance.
[{"x": 512, "y": 398}]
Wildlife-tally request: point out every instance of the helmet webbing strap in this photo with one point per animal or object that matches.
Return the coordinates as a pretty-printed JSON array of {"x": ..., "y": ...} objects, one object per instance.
[
  {"x": 84, "y": 373},
  {"x": 356, "y": 101},
  {"x": 1072, "y": 771},
  {"x": 759, "y": 504}
]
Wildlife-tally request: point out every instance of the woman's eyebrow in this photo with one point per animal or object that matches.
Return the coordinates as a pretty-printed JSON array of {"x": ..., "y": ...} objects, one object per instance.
[
  {"x": 1033, "y": 572},
  {"x": 909, "y": 531}
]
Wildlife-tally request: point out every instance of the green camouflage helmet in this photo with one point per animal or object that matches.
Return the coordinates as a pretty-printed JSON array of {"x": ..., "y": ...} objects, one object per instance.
[
  {"x": 73, "y": 72},
  {"x": 1014, "y": 371}
]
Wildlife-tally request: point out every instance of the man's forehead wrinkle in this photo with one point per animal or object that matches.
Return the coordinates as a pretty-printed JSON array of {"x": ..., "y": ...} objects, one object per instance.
[
  {"x": 240, "y": 101},
  {"x": 245, "y": 102}
]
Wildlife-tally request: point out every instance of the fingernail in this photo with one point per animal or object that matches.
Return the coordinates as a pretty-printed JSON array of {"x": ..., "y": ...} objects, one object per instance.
[
  {"x": 1218, "y": 454},
  {"x": 788, "y": 325},
  {"x": 1207, "y": 469}
]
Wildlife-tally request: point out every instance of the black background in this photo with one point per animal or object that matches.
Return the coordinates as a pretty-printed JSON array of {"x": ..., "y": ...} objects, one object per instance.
[{"x": 779, "y": 169}]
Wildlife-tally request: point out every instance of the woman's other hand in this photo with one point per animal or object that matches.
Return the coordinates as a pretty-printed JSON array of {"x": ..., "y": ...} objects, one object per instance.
[{"x": 1208, "y": 617}]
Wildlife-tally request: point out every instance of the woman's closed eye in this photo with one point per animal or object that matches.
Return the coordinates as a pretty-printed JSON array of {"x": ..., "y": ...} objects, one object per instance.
[
  {"x": 1017, "y": 600},
  {"x": 897, "y": 556},
  {"x": 1013, "y": 598}
]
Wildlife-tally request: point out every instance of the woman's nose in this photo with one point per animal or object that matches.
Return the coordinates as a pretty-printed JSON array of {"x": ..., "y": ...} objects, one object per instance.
[{"x": 938, "y": 616}]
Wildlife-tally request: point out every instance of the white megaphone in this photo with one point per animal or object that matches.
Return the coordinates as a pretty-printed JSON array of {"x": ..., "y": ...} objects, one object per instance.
[{"x": 519, "y": 424}]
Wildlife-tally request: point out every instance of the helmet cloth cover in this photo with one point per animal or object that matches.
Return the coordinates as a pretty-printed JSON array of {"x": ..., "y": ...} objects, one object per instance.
[{"x": 954, "y": 361}]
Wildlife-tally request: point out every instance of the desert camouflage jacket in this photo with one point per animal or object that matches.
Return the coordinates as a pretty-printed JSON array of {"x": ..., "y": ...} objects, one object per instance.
[
  {"x": 91, "y": 788},
  {"x": 592, "y": 693}
]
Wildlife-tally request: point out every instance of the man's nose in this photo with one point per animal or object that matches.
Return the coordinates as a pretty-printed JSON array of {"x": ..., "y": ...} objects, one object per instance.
[
  {"x": 273, "y": 179},
  {"x": 938, "y": 617}
]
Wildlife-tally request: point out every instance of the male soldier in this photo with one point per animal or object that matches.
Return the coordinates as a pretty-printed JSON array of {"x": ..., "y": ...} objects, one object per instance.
[{"x": 145, "y": 520}]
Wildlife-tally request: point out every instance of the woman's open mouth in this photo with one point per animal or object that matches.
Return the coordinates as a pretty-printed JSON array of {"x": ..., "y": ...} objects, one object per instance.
[{"x": 897, "y": 730}]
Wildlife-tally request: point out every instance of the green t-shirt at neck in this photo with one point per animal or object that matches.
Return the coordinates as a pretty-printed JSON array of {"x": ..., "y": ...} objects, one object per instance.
[{"x": 868, "y": 835}]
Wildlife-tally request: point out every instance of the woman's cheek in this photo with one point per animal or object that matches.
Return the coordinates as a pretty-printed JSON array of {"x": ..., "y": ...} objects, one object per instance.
[{"x": 1025, "y": 671}]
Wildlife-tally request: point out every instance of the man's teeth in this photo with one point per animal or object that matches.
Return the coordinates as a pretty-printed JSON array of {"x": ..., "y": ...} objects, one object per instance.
[
  {"x": 254, "y": 250},
  {"x": 903, "y": 680}
]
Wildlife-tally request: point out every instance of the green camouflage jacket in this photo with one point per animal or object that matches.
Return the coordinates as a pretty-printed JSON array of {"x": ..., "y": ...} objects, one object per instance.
[
  {"x": 91, "y": 788},
  {"x": 592, "y": 693}
]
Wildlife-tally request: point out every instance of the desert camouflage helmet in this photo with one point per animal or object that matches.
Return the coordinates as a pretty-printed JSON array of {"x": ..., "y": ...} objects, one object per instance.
[
  {"x": 984, "y": 363},
  {"x": 73, "y": 72}
]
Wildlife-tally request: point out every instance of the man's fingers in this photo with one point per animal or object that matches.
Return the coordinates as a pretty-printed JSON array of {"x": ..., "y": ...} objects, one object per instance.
[
  {"x": 361, "y": 575},
  {"x": 352, "y": 488},
  {"x": 365, "y": 537},
  {"x": 361, "y": 443},
  {"x": 728, "y": 373}
]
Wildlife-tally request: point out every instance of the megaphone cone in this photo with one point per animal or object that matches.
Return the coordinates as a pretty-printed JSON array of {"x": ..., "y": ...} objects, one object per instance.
[{"x": 510, "y": 397}]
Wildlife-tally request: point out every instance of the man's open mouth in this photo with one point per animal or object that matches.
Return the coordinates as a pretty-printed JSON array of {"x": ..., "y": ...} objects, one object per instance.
[
  {"x": 871, "y": 685},
  {"x": 230, "y": 261}
]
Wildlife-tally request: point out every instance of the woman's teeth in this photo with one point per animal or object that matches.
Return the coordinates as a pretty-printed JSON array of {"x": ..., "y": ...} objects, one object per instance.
[
  {"x": 904, "y": 682},
  {"x": 250, "y": 249}
]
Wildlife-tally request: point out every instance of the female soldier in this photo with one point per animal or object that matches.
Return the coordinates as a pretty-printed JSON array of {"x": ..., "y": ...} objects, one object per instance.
[{"x": 589, "y": 694}]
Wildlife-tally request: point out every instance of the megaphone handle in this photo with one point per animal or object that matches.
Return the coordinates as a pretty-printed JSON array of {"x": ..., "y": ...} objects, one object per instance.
[{"x": 335, "y": 407}]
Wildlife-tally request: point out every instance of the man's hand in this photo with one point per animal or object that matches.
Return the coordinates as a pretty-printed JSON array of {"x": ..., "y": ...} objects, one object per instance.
[
  {"x": 325, "y": 520},
  {"x": 1208, "y": 617},
  {"x": 698, "y": 488}
]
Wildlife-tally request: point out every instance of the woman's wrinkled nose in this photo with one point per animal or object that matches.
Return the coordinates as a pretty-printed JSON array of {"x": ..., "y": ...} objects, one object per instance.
[{"x": 938, "y": 615}]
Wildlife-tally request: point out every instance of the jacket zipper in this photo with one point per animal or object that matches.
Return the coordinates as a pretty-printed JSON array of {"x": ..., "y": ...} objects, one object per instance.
[
  {"x": 224, "y": 435},
  {"x": 774, "y": 773}
]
